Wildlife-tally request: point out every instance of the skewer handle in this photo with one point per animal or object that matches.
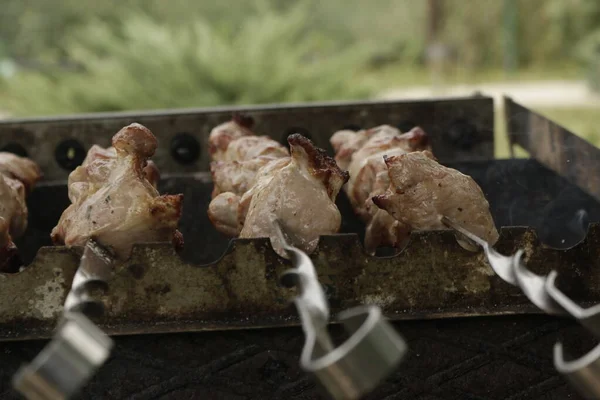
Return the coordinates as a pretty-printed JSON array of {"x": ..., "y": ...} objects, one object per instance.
[{"x": 77, "y": 350}]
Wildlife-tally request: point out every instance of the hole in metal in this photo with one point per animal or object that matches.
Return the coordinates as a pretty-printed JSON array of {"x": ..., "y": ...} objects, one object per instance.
[
  {"x": 463, "y": 134},
  {"x": 185, "y": 149},
  {"x": 386, "y": 251},
  {"x": 289, "y": 280},
  {"x": 69, "y": 154}
]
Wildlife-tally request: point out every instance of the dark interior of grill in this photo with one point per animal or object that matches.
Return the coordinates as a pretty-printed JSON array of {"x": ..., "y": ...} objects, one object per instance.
[{"x": 521, "y": 192}]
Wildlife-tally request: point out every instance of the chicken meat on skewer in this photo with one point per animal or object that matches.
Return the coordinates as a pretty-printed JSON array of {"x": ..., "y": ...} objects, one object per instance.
[
  {"x": 256, "y": 180},
  {"x": 362, "y": 153},
  {"x": 238, "y": 154},
  {"x": 104, "y": 159},
  {"x": 422, "y": 191},
  {"x": 301, "y": 194},
  {"x": 235, "y": 141},
  {"x": 18, "y": 175},
  {"x": 115, "y": 200},
  {"x": 228, "y": 210},
  {"x": 222, "y": 135}
]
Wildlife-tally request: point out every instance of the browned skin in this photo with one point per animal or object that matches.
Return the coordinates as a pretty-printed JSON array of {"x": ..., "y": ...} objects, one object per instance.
[
  {"x": 422, "y": 191},
  {"x": 135, "y": 140},
  {"x": 362, "y": 152},
  {"x": 259, "y": 182},
  {"x": 320, "y": 165},
  {"x": 114, "y": 198},
  {"x": 225, "y": 133},
  {"x": 18, "y": 175},
  {"x": 239, "y": 155},
  {"x": 152, "y": 173}
]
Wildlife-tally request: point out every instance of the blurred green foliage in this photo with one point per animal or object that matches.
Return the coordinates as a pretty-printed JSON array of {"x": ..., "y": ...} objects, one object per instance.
[
  {"x": 92, "y": 55},
  {"x": 142, "y": 64}
]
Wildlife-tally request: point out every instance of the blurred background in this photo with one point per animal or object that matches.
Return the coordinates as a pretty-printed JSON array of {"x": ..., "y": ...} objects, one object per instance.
[{"x": 79, "y": 56}]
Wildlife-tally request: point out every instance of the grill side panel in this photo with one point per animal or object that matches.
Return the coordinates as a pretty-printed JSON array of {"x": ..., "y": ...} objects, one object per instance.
[{"x": 461, "y": 129}]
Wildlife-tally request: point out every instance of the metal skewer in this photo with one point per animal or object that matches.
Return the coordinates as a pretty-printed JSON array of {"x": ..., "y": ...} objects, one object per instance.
[
  {"x": 583, "y": 373},
  {"x": 78, "y": 347},
  {"x": 368, "y": 356}
]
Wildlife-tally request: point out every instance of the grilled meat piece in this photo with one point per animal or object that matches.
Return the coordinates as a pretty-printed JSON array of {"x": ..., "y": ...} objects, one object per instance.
[
  {"x": 13, "y": 208},
  {"x": 114, "y": 198},
  {"x": 222, "y": 135},
  {"x": 238, "y": 154},
  {"x": 21, "y": 169},
  {"x": 422, "y": 191},
  {"x": 102, "y": 161},
  {"x": 363, "y": 153},
  {"x": 228, "y": 210},
  {"x": 224, "y": 213},
  {"x": 367, "y": 162},
  {"x": 346, "y": 142},
  {"x": 250, "y": 147},
  {"x": 18, "y": 175},
  {"x": 13, "y": 221},
  {"x": 256, "y": 180},
  {"x": 261, "y": 180},
  {"x": 236, "y": 176},
  {"x": 302, "y": 194}
]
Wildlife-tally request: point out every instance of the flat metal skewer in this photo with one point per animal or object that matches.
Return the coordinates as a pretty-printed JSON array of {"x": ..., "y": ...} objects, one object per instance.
[
  {"x": 583, "y": 373},
  {"x": 78, "y": 347},
  {"x": 368, "y": 356}
]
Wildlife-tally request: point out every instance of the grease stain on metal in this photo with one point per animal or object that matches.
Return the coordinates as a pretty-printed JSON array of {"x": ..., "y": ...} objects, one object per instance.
[
  {"x": 381, "y": 299},
  {"x": 49, "y": 296}
]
